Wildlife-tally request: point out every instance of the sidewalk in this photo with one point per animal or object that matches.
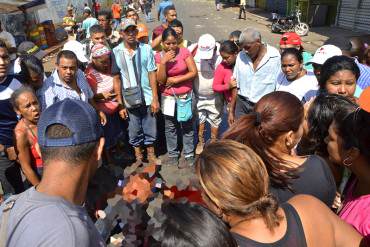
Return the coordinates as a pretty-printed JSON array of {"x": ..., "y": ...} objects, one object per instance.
[{"x": 317, "y": 36}]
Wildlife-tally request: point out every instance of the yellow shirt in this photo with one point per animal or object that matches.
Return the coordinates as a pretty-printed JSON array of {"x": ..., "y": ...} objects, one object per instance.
[{"x": 69, "y": 20}]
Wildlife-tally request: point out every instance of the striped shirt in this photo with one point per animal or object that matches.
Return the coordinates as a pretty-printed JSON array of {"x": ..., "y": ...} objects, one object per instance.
[
  {"x": 364, "y": 80},
  {"x": 101, "y": 83},
  {"x": 54, "y": 90}
]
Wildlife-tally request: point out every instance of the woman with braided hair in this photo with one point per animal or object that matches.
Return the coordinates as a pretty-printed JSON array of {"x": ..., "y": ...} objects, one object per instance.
[
  {"x": 273, "y": 131},
  {"x": 235, "y": 186}
]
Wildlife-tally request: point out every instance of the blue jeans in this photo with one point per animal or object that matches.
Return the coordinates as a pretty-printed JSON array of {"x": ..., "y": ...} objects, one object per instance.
[
  {"x": 142, "y": 126},
  {"x": 171, "y": 131}
]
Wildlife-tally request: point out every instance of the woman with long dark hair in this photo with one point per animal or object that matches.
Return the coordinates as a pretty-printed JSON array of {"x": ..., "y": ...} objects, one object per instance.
[
  {"x": 235, "y": 186},
  {"x": 175, "y": 75},
  {"x": 32, "y": 71},
  {"x": 349, "y": 146},
  {"x": 273, "y": 130},
  {"x": 195, "y": 226},
  {"x": 319, "y": 116}
]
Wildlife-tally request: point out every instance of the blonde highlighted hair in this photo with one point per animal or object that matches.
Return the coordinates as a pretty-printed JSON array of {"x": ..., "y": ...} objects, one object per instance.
[{"x": 235, "y": 179}]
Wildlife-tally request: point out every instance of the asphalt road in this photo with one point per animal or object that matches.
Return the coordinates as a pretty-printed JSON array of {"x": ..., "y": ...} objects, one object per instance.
[{"x": 200, "y": 17}]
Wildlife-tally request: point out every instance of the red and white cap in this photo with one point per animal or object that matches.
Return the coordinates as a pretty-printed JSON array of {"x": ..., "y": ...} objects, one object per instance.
[
  {"x": 324, "y": 53},
  {"x": 206, "y": 46}
]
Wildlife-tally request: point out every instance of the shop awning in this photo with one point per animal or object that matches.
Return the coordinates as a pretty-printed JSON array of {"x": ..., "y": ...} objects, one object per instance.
[{"x": 9, "y": 6}]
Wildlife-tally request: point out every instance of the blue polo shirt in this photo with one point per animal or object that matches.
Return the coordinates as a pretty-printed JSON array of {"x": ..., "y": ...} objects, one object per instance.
[
  {"x": 8, "y": 118},
  {"x": 147, "y": 65}
]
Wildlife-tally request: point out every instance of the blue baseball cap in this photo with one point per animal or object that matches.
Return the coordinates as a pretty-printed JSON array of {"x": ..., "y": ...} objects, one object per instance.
[{"x": 78, "y": 116}]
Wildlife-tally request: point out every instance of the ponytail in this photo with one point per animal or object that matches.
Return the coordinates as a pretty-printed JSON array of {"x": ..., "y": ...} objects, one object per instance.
[
  {"x": 234, "y": 178},
  {"x": 266, "y": 207},
  {"x": 274, "y": 115}
]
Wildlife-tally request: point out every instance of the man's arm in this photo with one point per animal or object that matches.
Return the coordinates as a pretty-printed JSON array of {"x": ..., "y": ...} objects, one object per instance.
[{"x": 153, "y": 81}]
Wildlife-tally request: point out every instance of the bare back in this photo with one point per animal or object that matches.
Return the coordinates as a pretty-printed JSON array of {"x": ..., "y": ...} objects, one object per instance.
[{"x": 321, "y": 226}]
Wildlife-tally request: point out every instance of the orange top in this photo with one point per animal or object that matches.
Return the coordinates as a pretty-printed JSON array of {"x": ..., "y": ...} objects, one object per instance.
[
  {"x": 116, "y": 11},
  {"x": 364, "y": 100}
]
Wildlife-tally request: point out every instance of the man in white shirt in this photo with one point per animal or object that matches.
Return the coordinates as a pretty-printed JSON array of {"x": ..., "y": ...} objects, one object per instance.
[
  {"x": 256, "y": 70},
  {"x": 9, "y": 42}
]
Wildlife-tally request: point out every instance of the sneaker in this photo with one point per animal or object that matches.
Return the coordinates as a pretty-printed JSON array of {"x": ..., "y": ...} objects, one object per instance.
[{"x": 187, "y": 162}]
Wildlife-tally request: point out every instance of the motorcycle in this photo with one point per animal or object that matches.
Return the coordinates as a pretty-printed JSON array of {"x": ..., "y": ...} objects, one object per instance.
[{"x": 289, "y": 24}]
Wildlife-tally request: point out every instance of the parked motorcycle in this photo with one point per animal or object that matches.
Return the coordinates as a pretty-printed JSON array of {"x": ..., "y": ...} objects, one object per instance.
[{"x": 289, "y": 24}]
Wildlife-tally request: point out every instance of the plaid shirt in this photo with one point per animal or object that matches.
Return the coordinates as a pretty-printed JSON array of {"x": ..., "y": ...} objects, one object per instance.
[{"x": 54, "y": 90}]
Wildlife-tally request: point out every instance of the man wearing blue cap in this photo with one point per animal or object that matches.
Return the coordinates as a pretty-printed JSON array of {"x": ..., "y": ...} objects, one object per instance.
[{"x": 52, "y": 214}]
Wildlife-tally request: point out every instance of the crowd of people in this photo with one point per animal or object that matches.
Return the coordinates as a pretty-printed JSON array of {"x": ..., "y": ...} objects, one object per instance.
[{"x": 292, "y": 168}]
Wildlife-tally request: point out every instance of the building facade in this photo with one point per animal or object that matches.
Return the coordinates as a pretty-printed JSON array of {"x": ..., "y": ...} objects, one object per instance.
[{"x": 354, "y": 15}]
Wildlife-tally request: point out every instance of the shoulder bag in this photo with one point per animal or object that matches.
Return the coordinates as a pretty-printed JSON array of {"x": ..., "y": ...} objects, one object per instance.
[
  {"x": 183, "y": 107},
  {"x": 133, "y": 96}
]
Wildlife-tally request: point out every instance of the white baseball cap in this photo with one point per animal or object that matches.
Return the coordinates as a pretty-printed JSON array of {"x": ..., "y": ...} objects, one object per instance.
[
  {"x": 206, "y": 46},
  {"x": 324, "y": 53},
  {"x": 78, "y": 49}
]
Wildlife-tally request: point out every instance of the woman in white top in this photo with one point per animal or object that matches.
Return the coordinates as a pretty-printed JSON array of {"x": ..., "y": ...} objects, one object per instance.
[{"x": 294, "y": 78}]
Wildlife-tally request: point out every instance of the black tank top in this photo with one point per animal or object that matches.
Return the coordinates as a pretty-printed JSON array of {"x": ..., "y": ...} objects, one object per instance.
[{"x": 294, "y": 235}]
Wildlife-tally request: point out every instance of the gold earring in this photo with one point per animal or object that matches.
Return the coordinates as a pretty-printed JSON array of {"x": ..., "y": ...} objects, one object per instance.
[{"x": 346, "y": 162}]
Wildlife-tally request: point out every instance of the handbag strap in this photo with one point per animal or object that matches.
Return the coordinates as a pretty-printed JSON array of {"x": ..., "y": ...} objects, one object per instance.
[
  {"x": 5, "y": 220},
  {"x": 125, "y": 68},
  {"x": 177, "y": 98},
  {"x": 137, "y": 69},
  {"x": 137, "y": 65}
]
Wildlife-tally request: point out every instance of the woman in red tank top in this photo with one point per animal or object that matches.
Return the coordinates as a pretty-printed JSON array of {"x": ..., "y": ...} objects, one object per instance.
[{"x": 27, "y": 107}]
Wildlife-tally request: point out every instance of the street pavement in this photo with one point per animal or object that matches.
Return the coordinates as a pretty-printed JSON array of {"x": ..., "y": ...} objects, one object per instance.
[{"x": 200, "y": 17}]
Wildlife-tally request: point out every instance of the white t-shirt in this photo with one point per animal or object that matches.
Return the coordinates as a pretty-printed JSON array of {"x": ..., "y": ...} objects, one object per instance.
[
  {"x": 203, "y": 83},
  {"x": 304, "y": 88},
  {"x": 9, "y": 41}
]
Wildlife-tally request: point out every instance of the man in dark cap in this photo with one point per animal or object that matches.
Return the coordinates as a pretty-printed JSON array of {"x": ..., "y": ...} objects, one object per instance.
[{"x": 52, "y": 214}]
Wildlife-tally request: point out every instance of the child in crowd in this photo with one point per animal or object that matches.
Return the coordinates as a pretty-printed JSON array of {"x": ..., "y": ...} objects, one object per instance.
[{"x": 223, "y": 82}]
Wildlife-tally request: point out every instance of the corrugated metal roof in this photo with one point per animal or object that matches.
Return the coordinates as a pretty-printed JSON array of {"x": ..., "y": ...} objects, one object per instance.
[{"x": 9, "y": 6}]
